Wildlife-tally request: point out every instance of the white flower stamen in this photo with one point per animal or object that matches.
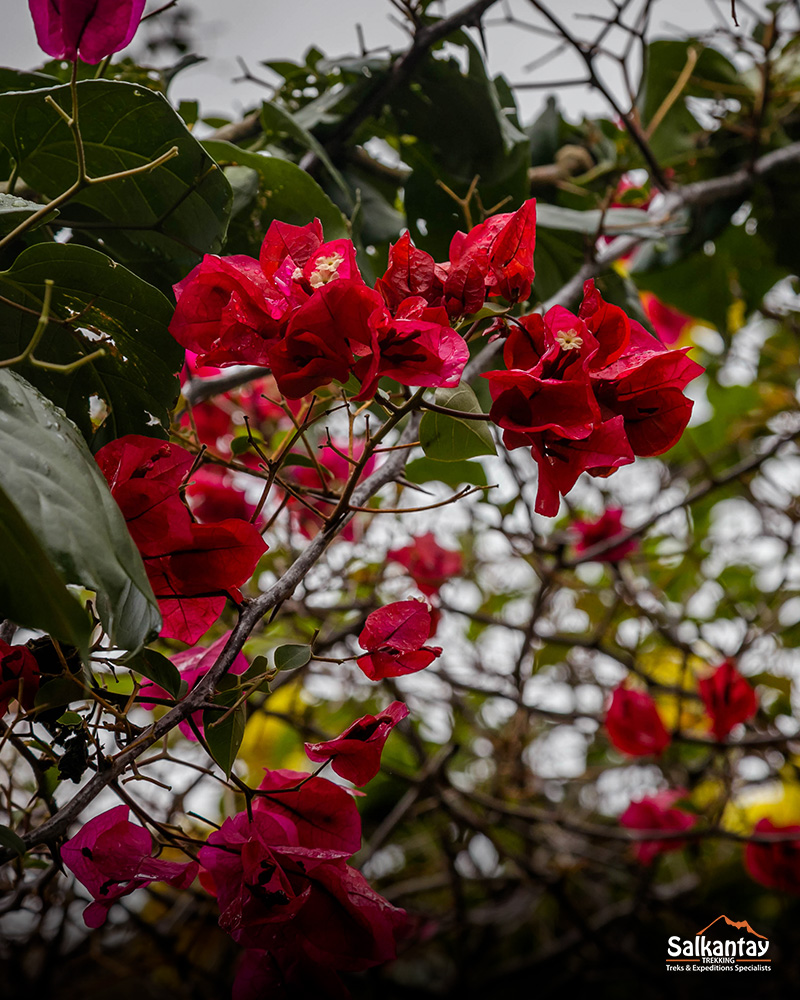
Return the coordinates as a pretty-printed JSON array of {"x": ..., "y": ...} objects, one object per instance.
[
  {"x": 570, "y": 340},
  {"x": 326, "y": 269}
]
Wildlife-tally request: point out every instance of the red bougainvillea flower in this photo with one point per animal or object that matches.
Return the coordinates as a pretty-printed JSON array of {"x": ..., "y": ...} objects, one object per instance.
[
  {"x": 777, "y": 864},
  {"x": 356, "y": 754},
  {"x": 19, "y": 676},
  {"x": 634, "y": 725},
  {"x": 192, "y": 664},
  {"x": 110, "y": 856},
  {"x": 284, "y": 887},
  {"x": 324, "y": 337},
  {"x": 561, "y": 460},
  {"x": 669, "y": 323},
  {"x": 92, "y": 29},
  {"x": 728, "y": 698},
  {"x": 656, "y": 812},
  {"x": 394, "y": 637},
  {"x": 428, "y": 564},
  {"x": 227, "y": 311},
  {"x": 604, "y": 529},
  {"x": 191, "y": 567},
  {"x": 411, "y": 273},
  {"x": 416, "y": 347},
  {"x": 587, "y": 393},
  {"x": 501, "y": 249},
  {"x": 213, "y": 496}
]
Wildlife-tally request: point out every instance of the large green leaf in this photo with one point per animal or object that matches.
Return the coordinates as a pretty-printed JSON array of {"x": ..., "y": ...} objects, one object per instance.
[
  {"x": 423, "y": 470},
  {"x": 14, "y": 210},
  {"x": 16, "y": 79},
  {"x": 285, "y": 192},
  {"x": 50, "y": 477},
  {"x": 114, "y": 309},
  {"x": 32, "y": 594},
  {"x": 449, "y": 439},
  {"x": 158, "y": 222}
]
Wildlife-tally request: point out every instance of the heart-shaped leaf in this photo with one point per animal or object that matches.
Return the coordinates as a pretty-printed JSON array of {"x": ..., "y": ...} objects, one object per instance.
[{"x": 160, "y": 222}]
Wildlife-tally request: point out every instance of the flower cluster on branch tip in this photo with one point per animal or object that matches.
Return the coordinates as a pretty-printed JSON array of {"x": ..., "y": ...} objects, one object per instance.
[{"x": 587, "y": 393}]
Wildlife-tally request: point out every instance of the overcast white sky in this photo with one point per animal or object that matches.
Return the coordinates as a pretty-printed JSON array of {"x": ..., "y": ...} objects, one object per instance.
[{"x": 268, "y": 29}]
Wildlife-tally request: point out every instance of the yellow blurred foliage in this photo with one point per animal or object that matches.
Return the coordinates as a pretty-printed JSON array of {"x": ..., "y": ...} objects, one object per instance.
[
  {"x": 274, "y": 743},
  {"x": 669, "y": 667},
  {"x": 778, "y": 801}
]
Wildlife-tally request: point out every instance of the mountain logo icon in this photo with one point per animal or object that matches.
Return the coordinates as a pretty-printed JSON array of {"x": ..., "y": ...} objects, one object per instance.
[{"x": 736, "y": 925}]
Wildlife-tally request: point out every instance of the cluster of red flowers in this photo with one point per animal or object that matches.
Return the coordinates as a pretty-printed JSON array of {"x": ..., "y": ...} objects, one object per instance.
[
  {"x": 280, "y": 874},
  {"x": 304, "y": 309},
  {"x": 773, "y": 863},
  {"x": 191, "y": 567},
  {"x": 635, "y": 727},
  {"x": 287, "y": 894},
  {"x": 587, "y": 393}
]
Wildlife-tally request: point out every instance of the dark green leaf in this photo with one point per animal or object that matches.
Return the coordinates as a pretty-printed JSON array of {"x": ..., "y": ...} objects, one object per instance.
[
  {"x": 159, "y": 222},
  {"x": 741, "y": 267},
  {"x": 423, "y": 470},
  {"x": 225, "y": 738},
  {"x": 453, "y": 146},
  {"x": 285, "y": 192},
  {"x": 558, "y": 257},
  {"x": 291, "y": 657},
  {"x": 51, "y": 478},
  {"x": 665, "y": 61},
  {"x": 16, "y": 79},
  {"x": 135, "y": 380},
  {"x": 240, "y": 444},
  {"x": 32, "y": 594},
  {"x": 157, "y": 668},
  {"x": 448, "y": 439},
  {"x": 14, "y": 210}
]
